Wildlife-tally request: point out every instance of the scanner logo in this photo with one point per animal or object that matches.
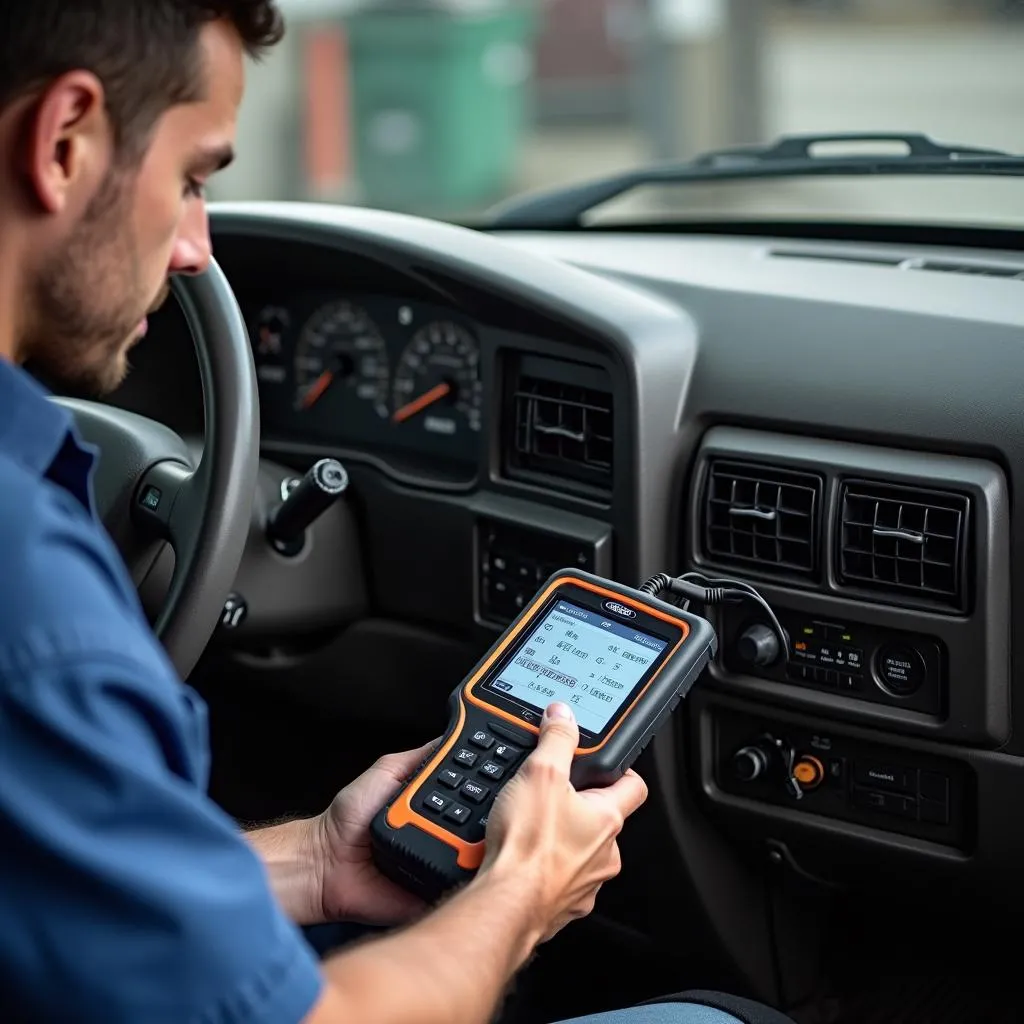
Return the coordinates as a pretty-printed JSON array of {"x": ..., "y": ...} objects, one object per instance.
[{"x": 619, "y": 609}]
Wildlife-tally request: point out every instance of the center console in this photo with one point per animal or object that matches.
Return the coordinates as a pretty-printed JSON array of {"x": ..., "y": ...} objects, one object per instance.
[{"x": 888, "y": 573}]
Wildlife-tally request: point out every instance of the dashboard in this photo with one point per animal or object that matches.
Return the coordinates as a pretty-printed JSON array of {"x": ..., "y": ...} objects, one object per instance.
[
  {"x": 394, "y": 377},
  {"x": 837, "y": 423}
]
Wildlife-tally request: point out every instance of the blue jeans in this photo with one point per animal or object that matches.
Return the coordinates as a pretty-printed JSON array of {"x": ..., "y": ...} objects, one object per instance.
[
  {"x": 661, "y": 1013},
  {"x": 328, "y": 937}
]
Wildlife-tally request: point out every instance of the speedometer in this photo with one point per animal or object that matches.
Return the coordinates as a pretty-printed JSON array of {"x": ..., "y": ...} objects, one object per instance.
[
  {"x": 341, "y": 348},
  {"x": 437, "y": 380}
]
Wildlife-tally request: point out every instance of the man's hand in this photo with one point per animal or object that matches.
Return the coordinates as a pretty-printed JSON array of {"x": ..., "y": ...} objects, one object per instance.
[
  {"x": 559, "y": 843},
  {"x": 549, "y": 849},
  {"x": 353, "y": 889}
]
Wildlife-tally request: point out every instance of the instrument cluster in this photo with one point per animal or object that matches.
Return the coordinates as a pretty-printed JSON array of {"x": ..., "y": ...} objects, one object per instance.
[{"x": 384, "y": 375}]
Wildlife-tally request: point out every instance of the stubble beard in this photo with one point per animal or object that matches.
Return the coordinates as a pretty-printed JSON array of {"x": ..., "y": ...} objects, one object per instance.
[{"x": 87, "y": 302}]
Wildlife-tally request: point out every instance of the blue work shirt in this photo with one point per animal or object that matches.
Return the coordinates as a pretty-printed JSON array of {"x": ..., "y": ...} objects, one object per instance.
[{"x": 125, "y": 893}]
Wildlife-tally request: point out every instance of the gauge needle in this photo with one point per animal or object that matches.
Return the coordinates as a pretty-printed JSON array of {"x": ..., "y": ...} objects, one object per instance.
[
  {"x": 435, "y": 394},
  {"x": 317, "y": 388}
]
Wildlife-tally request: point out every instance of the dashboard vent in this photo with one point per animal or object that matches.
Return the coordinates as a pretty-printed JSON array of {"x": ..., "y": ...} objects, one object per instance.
[
  {"x": 1012, "y": 272},
  {"x": 902, "y": 540},
  {"x": 561, "y": 426},
  {"x": 762, "y": 518},
  {"x": 824, "y": 256},
  {"x": 977, "y": 269}
]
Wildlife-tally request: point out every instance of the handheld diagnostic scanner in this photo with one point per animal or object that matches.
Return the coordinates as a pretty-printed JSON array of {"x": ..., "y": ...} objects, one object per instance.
[{"x": 620, "y": 658}]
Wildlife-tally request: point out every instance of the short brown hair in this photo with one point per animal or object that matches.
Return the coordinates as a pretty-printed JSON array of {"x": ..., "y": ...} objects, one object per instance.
[{"x": 145, "y": 52}]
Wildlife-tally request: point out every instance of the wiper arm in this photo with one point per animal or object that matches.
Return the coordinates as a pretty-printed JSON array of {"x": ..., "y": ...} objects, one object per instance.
[{"x": 790, "y": 156}]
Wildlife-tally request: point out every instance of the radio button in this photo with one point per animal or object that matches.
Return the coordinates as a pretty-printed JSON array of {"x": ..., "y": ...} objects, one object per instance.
[
  {"x": 885, "y": 776},
  {"x": 798, "y": 673},
  {"x": 854, "y": 658},
  {"x": 466, "y": 758},
  {"x": 886, "y": 803}
]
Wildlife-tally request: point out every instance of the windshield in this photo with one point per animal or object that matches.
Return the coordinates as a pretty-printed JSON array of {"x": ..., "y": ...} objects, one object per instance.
[{"x": 445, "y": 108}]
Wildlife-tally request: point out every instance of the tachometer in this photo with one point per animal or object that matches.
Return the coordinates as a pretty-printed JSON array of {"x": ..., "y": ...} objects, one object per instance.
[
  {"x": 341, "y": 347},
  {"x": 437, "y": 380}
]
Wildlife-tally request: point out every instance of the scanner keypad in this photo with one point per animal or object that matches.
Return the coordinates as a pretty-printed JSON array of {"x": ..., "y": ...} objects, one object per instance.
[{"x": 465, "y": 786}]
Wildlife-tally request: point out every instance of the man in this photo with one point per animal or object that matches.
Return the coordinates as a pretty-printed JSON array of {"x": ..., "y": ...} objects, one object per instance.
[{"x": 126, "y": 894}]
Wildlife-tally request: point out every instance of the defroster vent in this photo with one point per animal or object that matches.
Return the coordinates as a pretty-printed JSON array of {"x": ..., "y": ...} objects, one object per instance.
[
  {"x": 904, "y": 541},
  {"x": 762, "y": 518},
  {"x": 561, "y": 426}
]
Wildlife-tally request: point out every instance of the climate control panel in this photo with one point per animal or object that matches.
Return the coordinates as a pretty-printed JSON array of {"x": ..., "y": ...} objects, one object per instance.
[
  {"x": 856, "y": 660},
  {"x": 827, "y": 773}
]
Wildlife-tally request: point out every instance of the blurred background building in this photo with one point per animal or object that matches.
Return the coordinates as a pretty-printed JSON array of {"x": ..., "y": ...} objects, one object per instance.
[{"x": 445, "y": 107}]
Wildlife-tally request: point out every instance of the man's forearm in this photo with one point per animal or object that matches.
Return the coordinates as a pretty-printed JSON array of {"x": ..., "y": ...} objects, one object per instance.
[
  {"x": 453, "y": 965},
  {"x": 290, "y": 853}
]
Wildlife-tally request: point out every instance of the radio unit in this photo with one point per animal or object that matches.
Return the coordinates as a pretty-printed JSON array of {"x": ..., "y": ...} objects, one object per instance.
[{"x": 865, "y": 662}]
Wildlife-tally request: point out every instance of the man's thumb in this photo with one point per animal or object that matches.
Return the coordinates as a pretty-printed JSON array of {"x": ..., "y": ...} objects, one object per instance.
[{"x": 559, "y": 734}]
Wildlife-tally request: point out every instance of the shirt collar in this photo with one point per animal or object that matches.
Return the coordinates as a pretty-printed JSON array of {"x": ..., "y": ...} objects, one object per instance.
[{"x": 39, "y": 434}]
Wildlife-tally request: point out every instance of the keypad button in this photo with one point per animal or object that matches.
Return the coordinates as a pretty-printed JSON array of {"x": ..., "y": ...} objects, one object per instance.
[
  {"x": 492, "y": 770},
  {"x": 482, "y": 740},
  {"x": 466, "y": 758},
  {"x": 458, "y": 813},
  {"x": 435, "y": 802},
  {"x": 474, "y": 791},
  {"x": 507, "y": 753},
  {"x": 450, "y": 778}
]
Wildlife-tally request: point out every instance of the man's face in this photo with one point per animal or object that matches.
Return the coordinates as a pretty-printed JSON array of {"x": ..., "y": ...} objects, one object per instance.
[{"x": 90, "y": 298}]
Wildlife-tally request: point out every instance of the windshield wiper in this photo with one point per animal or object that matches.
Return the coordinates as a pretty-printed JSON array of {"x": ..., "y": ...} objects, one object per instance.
[{"x": 790, "y": 156}]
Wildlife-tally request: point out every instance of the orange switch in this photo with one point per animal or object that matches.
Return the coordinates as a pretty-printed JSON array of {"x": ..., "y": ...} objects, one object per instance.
[{"x": 809, "y": 772}]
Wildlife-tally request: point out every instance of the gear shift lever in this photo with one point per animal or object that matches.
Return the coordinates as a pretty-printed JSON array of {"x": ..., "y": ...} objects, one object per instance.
[{"x": 318, "y": 490}]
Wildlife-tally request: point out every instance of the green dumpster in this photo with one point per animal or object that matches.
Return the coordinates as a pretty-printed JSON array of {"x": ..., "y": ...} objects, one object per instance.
[{"x": 439, "y": 97}]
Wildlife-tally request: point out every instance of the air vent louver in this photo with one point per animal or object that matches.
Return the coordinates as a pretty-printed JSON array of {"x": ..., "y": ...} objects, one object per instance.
[
  {"x": 762, "y": 518},
  {"x": 562, "y": 430},
  {"x": 975, "y": 269},
  {"x": 1011, "y": 272},
  {"x": 904, "y": 541}
]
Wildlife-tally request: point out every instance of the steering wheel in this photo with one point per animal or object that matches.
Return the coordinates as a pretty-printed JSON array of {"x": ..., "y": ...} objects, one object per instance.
[{"x": 149, "y": 491}]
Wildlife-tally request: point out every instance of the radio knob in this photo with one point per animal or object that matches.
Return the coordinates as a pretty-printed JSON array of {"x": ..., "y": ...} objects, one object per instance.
[
  {"x": 749, "y": 763},
  {"x": 758, "y": 646}
]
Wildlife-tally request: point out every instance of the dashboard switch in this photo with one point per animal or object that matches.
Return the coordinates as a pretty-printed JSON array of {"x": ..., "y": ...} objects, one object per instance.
[
  {"x": 809, "y": 772},
  {"x": 758, "y": 645},
  {"x": 749, "y": 763},
  {"x": 886, "y": 803},
  {"x": 885, "y": 776},
  {"x": 234, "y": 612},
  {"x": 901, "y": 669}
]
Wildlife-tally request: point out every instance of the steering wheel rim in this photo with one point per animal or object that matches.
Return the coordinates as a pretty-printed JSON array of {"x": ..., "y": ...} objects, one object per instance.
[
  {"x": 204, "y": 514},
  {"x": 225, "y": 481}
]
